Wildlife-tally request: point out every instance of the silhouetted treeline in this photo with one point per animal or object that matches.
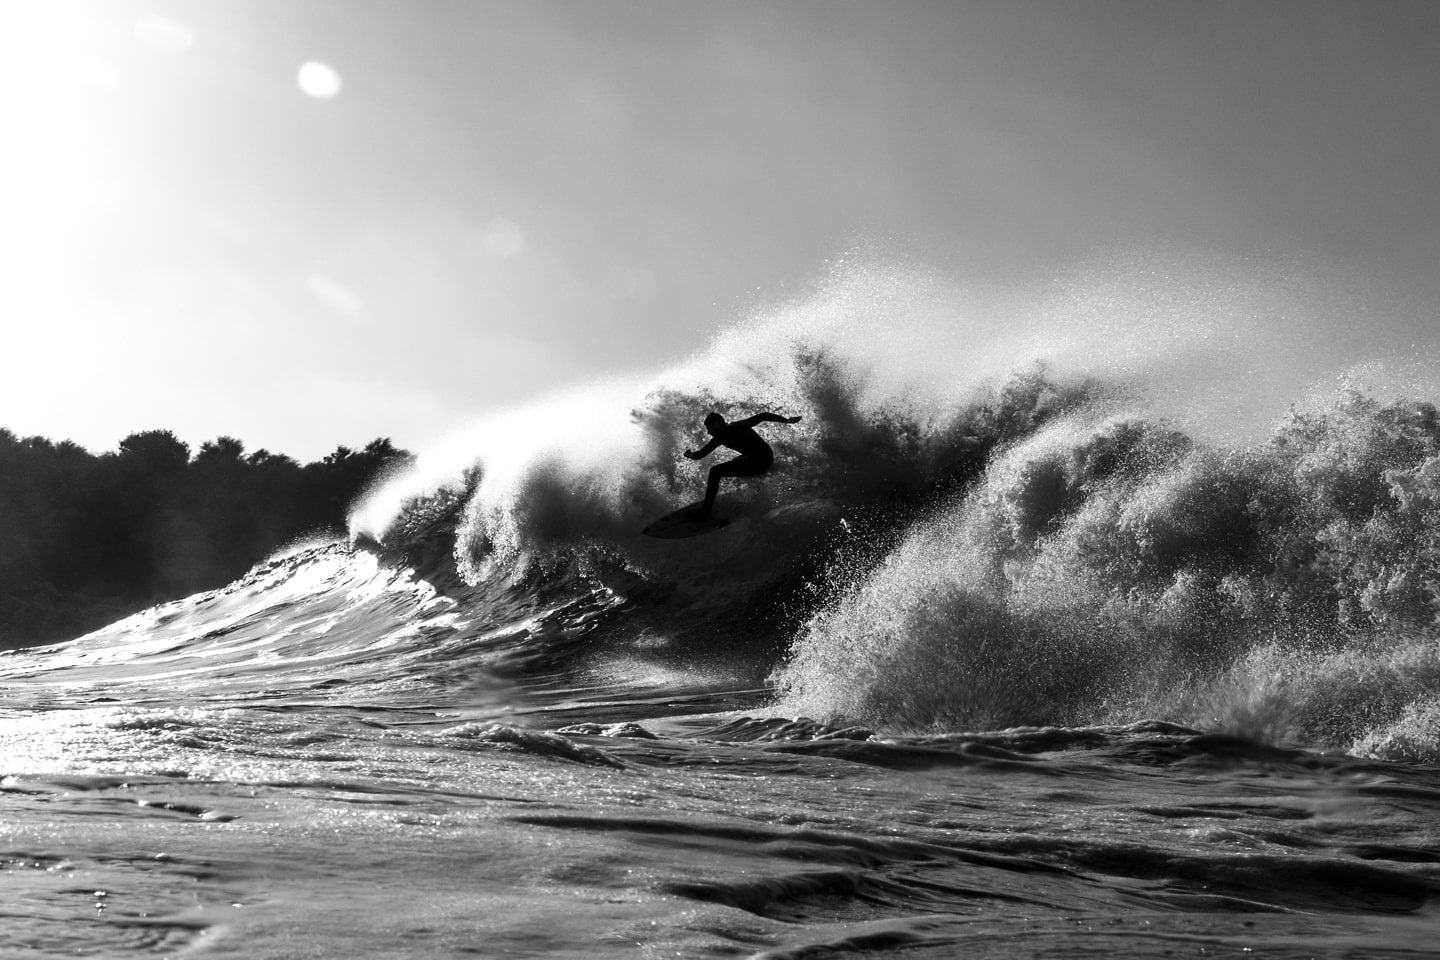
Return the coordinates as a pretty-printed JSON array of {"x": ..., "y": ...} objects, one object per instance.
[{"x": 86, "y": 539}]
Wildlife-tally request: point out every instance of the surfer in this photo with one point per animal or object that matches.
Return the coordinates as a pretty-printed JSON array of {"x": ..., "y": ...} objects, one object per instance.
[{"x": 755, "y": 454}]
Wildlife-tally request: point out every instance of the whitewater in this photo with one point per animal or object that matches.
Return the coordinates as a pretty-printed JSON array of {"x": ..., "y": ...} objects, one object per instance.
[{"x": 1098, "y": 623}]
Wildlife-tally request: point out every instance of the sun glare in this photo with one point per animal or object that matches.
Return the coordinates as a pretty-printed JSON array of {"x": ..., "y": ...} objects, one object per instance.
[
  {"x": 47, "y": 61},
  {"x": 319, "y": 80}
]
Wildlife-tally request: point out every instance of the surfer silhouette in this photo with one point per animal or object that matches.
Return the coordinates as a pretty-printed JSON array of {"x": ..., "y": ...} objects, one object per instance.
[{"x": 755, "y": 454}]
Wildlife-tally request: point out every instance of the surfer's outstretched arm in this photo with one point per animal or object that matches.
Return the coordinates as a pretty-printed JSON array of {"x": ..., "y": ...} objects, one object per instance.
[
  {"x": 704, "y": 451},
  {"x": 766, "y": 417}
]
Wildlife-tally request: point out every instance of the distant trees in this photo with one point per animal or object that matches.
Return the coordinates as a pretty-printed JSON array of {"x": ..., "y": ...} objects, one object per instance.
[{"x": 85, "y": 538}]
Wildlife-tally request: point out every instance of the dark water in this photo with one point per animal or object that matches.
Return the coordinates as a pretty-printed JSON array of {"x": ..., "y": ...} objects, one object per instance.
[{"x": 1013, "y": 665}]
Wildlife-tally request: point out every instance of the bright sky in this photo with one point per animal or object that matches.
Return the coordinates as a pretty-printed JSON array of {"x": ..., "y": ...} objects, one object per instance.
[{"x": 311, "y": 222}]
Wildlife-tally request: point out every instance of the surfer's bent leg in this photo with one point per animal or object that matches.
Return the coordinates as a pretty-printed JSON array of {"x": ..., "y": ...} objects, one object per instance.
[{"x": 739, "y": 467}]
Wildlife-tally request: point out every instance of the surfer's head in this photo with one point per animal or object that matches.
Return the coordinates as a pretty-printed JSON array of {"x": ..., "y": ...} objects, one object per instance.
[{"x": 713, "y": 421}]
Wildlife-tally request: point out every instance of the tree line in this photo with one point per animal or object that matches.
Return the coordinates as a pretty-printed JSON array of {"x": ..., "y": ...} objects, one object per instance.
[{"x": 86, "y": 539}]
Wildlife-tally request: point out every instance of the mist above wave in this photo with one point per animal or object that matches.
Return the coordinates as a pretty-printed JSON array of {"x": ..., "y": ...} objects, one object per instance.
[{"x": 904, "y": 380}]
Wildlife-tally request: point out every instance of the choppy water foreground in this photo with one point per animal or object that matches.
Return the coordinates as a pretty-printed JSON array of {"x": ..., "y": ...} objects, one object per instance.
[{"x": 313, "y": 763}]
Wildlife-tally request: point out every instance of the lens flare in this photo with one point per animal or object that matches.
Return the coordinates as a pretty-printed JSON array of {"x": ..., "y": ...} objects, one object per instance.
[{"x": 319, "y": 80}]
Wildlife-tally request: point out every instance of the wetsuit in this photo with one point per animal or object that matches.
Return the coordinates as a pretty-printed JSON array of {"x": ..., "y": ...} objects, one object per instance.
[{"x": 755, "y": 454}]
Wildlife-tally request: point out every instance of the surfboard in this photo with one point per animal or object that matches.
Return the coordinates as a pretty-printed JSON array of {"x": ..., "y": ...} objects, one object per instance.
[{"x": 684, "y": 523}]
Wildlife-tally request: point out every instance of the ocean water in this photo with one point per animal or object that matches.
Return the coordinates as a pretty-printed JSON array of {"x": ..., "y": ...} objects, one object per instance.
[{"x": 1106, "y": 633}]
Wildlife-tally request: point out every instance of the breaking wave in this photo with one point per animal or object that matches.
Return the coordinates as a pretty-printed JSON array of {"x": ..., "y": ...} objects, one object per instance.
[
  {"x": 993, "y": 513},
  {"x": 1109, "y": 568}
]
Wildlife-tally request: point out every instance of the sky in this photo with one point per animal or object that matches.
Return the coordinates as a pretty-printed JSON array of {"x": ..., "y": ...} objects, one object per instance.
[{"x": 306, "y": 223}]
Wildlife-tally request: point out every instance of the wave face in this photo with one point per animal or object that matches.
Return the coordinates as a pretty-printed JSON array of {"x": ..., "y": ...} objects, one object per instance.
[{"x": 992, "y": 513}]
